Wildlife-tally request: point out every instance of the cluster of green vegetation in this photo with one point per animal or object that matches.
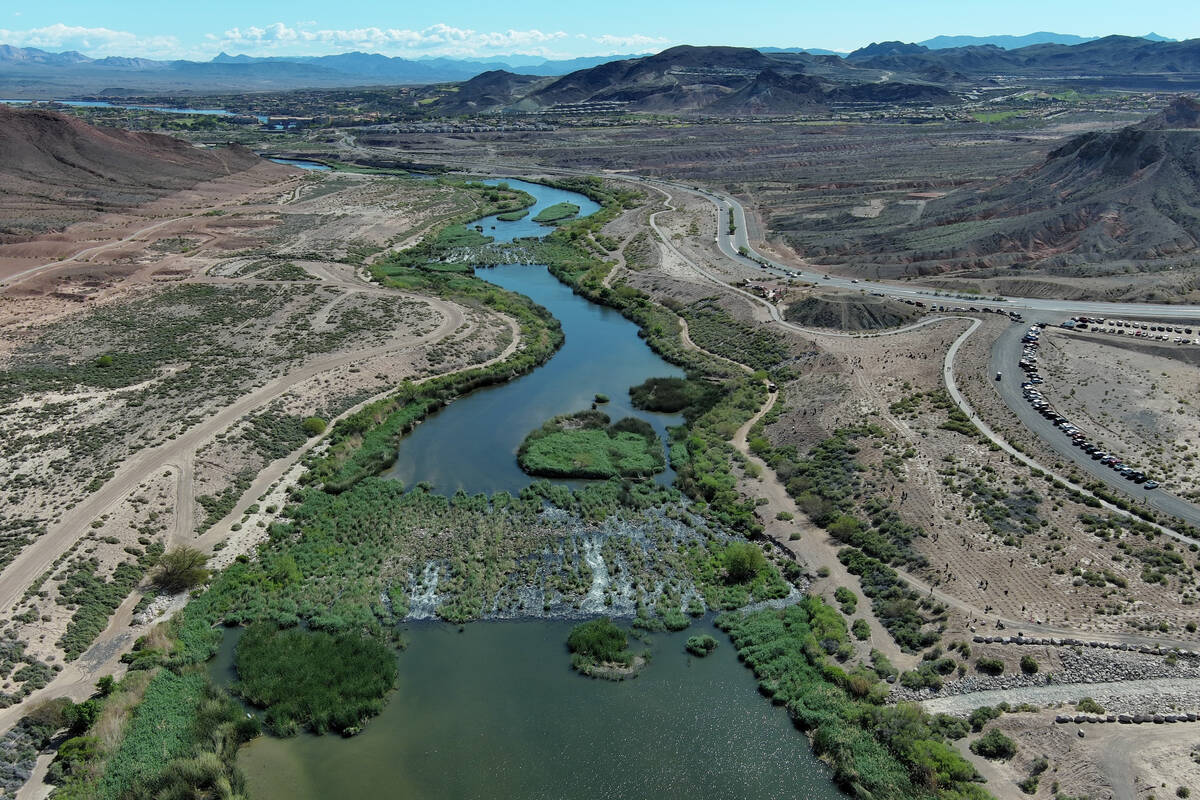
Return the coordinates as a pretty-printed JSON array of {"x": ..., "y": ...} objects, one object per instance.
[
  {"x": 1011, "y": 515},
  {"x": 160, "y": 734},
  {"x": 827, "y": 486},
  {"x": 557, "y": 213},
  {"x": 599, "y": 648},
  {"x": 285, "y": 271},
  {"x": 715, "y": 330},
  {"x": 95, "y": 599},
  {"x": 701, "y": 645},
  {"x": 994, "y": 745},
  {"x": 585, "y": 445},
  {"x": 876, "y": 750},
  {"x": 903, "y": 612},
  {"x": 273, "y": 434},
  {"x": 216, "y": 506},
  {"x": 276, "y": 672},
  {"x": 675, "y": 395}
]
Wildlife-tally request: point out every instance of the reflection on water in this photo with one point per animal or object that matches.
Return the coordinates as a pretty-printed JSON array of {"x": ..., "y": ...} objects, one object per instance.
[{"x": 496, "y": 712}]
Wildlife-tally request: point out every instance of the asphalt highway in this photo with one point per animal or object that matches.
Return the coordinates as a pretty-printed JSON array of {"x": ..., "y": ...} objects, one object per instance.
[{"x": 732, "y": 246}]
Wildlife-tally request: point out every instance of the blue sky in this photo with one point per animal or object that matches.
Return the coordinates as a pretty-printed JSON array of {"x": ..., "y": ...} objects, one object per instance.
[{"x": 550, "y": 28}]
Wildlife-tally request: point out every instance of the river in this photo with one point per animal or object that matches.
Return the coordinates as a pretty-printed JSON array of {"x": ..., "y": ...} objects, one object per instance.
[
  {"x": 497, "y": 712},
  {"x": 494, "y": 710},
  {"x": 472, "y": 443}
]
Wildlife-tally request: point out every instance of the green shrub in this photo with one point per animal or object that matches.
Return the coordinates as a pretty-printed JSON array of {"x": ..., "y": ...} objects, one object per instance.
[
  {"x": 994, "y": 745},
  {"x": 598, "y": 641},
  {"x": 313, "y": 679},
  {"x": 1029, "y": 665},
  {"x": 1089, "y": 706},
  {"x": 861, "y": 630},
  {"x": 313, "y": 426},
  {"x": 990, "y": 666},
  {"x": 701, "y": 645},
  {"x": 743, "y": 560}
]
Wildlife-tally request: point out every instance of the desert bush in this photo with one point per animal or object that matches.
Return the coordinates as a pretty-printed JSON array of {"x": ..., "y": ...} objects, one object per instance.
[
  {"x": 180, "y": 569},
  {"x": 994, "y": 745}
]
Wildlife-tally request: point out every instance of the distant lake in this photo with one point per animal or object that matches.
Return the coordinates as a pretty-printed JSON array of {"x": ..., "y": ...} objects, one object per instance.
[
  {"x": 218, "y": 112},
  {"x": 302, "y": 163}
]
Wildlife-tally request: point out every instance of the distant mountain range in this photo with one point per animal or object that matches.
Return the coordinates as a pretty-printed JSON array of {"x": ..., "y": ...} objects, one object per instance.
[
  {"x": 1014, "y": 42},
  {"x": 28, "y": 71},
  {"x": 1111, "y": 60}
]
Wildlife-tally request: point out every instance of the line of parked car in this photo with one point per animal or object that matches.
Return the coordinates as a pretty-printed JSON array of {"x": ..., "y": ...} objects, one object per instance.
[
  {"x": 1141, "y": 330},
  {"x": 1033, "y": 396}
]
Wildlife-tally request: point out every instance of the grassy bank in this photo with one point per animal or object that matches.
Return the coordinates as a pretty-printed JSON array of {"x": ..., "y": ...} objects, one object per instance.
[
  {"x": 557, "y": 213},
  {"x": 585, "y": 445},
  {"x": 876, "y": 751}
]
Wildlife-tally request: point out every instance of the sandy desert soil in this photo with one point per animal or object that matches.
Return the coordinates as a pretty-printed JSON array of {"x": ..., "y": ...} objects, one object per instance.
[
  {"x": 1138, "y": 399},
  {"x": 192, "y": 349}
]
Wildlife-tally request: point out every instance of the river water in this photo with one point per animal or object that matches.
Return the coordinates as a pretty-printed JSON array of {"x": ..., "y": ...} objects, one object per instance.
[
  {"x": 472, "y": 443},
  {"x": 497, "y": 712},
  {"x": 494, "y": 710}
]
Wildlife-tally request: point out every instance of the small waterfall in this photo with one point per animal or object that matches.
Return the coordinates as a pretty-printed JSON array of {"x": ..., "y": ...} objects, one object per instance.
[
  {"x": 593, "y": 601},
  {"x": 424, "y": 601}
]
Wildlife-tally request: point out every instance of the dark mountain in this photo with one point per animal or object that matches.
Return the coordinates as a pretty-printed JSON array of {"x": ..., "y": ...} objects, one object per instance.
[
  {"x": 1183, "y": 112},
  {"x": 491, "y": 91},
  {"x": 725, "y": 80},
  {"x": 772, "y": 93},
  {"x": 892, "y": 92},
  {"x": 58, "y": 169},
  {"x": 681, "y": 77},
  {"x": 884, "y": 50},
  {"x": 1108, "y": 56},
  {"x": 1127, "y": 199}
]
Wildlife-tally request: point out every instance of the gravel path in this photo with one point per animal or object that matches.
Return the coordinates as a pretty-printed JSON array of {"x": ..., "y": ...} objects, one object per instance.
[{"x": 1142, "y": 695}]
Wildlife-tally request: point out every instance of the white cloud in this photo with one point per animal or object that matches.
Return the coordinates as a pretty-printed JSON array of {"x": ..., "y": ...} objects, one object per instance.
[
  {"x": 307, "y": 38},
  {"x": 97, "y": 42},
  {"x": 440, "y": 39},
  {"x": 629, "y": 44}
]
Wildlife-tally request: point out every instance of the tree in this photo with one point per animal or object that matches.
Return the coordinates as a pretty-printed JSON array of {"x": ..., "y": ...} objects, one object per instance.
[
  {"x": 180, "y": 569},
  {"x": 743, "y": 560},
  {"x": 313, "y": 426}
]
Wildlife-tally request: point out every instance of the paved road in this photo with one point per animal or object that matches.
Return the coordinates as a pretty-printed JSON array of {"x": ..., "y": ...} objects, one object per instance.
[
  {"x": 731, "y": 244},
  {"x": 1006, "y": 352}
]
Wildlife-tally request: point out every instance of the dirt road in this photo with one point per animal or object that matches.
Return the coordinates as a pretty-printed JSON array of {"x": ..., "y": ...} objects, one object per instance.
[{"x": 39, "y": 556}]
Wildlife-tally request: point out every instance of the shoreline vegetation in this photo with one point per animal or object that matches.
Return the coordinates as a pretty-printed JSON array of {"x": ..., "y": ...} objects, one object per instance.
[
  {"x": 585, "y": 445},
  {"x": 556, "y": 214},
  {"x": 900, "y": 752},
  {"x": 600, "y": 649},
  {"x": 326, "y": 579}
]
